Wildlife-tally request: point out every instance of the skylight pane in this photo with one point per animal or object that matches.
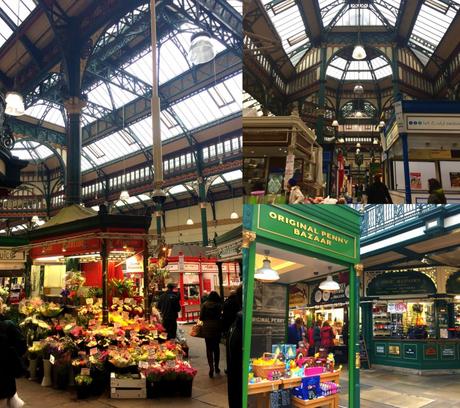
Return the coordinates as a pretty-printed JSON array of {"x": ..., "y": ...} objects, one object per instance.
[
  {"x": 334, "y": 72},
  {"x": 177, "y": 189},
  {"x": 287, "y": 20}
]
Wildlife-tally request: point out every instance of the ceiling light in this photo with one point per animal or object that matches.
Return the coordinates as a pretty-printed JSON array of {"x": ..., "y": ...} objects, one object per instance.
[
  {"x": 35, "y": 219},
  {"x": 359, "y": 53},
  {"x": 359, "y": 114},
  {"x": 124, "y": 195},
  {"x": 266, "y": 273},
  {"x": 335, "y": 123},
  {"x": 201, "y": 48},
  {"x": 358, "y": 144},
  {"x": 14, "y": 104},
  {"x": 375, "y": 141},
  {"x": 234, "y": 215},
  {"x": 189, "y": 221},
  {"x": 358, "y": 89},
  {"x": 329, "y": 285},
  {"x": 381, "y": 123}
]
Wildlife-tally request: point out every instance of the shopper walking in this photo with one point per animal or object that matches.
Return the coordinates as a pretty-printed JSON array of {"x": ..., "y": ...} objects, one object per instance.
[
  {"x": 296, "y": 332},
  {"x": 169, "y": 307},
  {"x": 232, "y": 305},
  {"x": 210, "y": 315},
  {"x": 317, "y": 335},
  {"x": 327, "y": 336},
  {"x": 12, "y": 347},
  {"x": 377, "y": 193},
  {"x": 436, "y": 192},
  {"x": 235, "y": 362},
  {"x": 310, "y": 339},
  {"x": 295, "y": 194}
]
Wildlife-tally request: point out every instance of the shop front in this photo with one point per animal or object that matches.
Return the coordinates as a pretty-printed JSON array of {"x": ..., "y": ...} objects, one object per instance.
[
  {"x": 301, "y": 243},
  {"x": 420, "y": 143},
  {"x": 12, "y": 268},
  {"x": 413, "y": 320}
]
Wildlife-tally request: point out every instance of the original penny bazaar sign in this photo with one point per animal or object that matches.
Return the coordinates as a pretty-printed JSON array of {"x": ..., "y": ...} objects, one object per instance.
[{"x": 290, "y": 228}]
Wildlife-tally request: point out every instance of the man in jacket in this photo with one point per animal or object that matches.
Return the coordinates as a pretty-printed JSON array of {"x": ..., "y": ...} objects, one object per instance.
[
  {"x": 296, "y": 332},
  {"x": 377, "y": 193},
  {"x": 169, "y": 307}
]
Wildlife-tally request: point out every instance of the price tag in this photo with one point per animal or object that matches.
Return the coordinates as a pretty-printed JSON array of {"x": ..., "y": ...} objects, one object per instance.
[
  {"x": 143, "y": 364},
  {"x": 85, "y": 371},
  {"x": 93, "y": 351},
  {"x": 36, "y": 344},
  {"x": 89, "y": 301},
  {"x": 52, "y": 359}
]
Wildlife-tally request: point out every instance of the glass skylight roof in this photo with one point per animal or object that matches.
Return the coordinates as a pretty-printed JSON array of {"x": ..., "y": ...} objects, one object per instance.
[
  {"x": 359, "y": 70},
  {"x": 207, "y": 106},
  {"x": 46, "y": 111},
  {"x": 30, "y": 150},
  {"x": 230, "y": 176},
  {"x": 16, "y": 11},
  {"x": 109, "y": 95},
  {"x": 286, "y": 17},
  {"x": 432, "y": 22}
]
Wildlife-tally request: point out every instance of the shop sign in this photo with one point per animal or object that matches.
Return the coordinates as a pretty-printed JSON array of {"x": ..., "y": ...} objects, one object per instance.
[
  {"x": 391, "y": 136},
  {"x": 394, "y": 350},
  {"x": 302, "y": 231},
  {"x": 428, "y": 123},
  {"x": 447, "y": 351},
  {"x": 298, "y": 295},
  {"x": 430, "y": 351},
  {"x": 401, "y": 283},
  {"x": 340, "y": 296},
  {"x": 410, "y": 351},
  {"x": 380, "y": 349},
  {"x": 397, "y": 308},
  {"x": 11, "y": 255}
]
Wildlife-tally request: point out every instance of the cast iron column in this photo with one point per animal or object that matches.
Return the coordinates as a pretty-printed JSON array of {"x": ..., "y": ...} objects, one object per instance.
[
  {"x": 353, "y": 341},
  {"x": 221, "y": 279},
  {"x": 73, "y": 107},
  {"x": 405, "y": 153},
  {"x": 145, "y": 261},
  {"x": 105, "y": 283},
  {"x": 204, "y": 218}
]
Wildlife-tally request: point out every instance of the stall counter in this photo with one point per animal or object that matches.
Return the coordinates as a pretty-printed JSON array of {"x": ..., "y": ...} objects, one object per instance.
[{"x": 427, "y": 354}]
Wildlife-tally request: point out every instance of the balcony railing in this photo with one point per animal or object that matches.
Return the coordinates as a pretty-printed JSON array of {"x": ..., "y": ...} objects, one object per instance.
[{"x": 378, "y": 218}]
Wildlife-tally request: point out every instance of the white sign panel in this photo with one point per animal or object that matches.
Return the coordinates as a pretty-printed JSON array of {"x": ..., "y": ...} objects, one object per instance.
[
  {"x": 399, "y": 116},
  {"x": 429, "y": 123}
]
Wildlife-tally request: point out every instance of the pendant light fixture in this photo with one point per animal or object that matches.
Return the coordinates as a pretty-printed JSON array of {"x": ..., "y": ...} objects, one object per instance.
[
  {"x": 35, "y": 219},
  {"x": 13, "y": 99},
  {"x": 189, "y": 220},
  {"x": 266, "y": 273},
  {"x": 234, "y": 215},
  {"x": 329, "y": 285},
  {"x": 381, "y": 124},
  {"x": 201, "y": 48},
  {"x": 359, "y": 53},
  {"x": 358, "y": 89},
  {"x": 335, "y": 123}
]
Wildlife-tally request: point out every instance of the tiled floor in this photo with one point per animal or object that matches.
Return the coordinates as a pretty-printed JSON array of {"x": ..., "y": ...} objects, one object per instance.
[
  {"x": 384, "y": 389},
  {"x": 207, "y": 393}
]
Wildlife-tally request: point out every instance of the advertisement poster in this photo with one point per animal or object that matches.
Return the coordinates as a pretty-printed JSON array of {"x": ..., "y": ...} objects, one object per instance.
[
  {"x": 454, "y": 179},
  {"x": 416, "y": 181}
]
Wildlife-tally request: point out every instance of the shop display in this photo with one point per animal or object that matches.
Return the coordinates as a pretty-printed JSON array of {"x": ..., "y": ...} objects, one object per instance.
[{"x": 76, "y": 349}]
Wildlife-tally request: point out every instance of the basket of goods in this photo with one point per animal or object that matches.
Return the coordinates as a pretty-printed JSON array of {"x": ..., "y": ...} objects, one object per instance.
[{"x": 265, "y": 365}]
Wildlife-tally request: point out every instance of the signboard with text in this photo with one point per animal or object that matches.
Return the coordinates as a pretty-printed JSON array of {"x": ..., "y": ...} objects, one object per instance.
[
  {"x": 429, "y": 123},
  {"x": 395, "y": 283}
]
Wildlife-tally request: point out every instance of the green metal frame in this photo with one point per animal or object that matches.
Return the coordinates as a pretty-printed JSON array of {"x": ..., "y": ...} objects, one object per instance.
[{"x": 328, "y": 217}]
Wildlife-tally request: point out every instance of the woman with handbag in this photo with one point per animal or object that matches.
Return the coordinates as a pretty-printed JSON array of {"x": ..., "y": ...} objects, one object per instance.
[
  {"x": 210, "y": 315},
  {"x": 12, "y": 348}
]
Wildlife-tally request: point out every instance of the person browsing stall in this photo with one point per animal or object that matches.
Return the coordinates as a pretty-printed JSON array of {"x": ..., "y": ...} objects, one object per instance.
[
  {"x": 169, "y": 307},
  {"x": 296, "y": 331}
]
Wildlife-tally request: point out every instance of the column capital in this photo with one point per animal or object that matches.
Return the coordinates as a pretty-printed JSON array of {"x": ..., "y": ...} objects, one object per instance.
[
  {"x": 248, "y": 237},
  {"x": 74, "y": 105},
  {"x": 359, "y": 268}
]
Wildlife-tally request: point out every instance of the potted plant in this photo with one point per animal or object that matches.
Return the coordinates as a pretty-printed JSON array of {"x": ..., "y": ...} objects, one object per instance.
[
  {"x": 33, "y": 352},
  {"x": 47, "y": 347},
  {"x": 83, "y": 386}
]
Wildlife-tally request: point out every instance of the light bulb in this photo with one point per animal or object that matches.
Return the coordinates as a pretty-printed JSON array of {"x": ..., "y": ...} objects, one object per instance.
[
  {"x": 335, "y": 123},
  {"x": 189, "y": 221},
  {"x": 359, "y": 53},
  {"x": 358, "y": 89},
  {"x": 234, "y": 215},
  {"x": 14, "y": 104}
]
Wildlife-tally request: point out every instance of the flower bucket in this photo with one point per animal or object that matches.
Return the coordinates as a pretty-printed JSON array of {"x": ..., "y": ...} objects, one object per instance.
[
  {"x": 47, "y": 379},
  {"x": 184, "y": 387},
  {"x": 33, "y": 369},
  {"x": 83, "y": 391},
  {"x": 99, "y": 383},
  {"x": 155, "y": 389}
]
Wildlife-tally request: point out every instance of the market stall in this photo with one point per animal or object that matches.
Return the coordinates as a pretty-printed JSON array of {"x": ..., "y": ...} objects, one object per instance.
[
  {"x": 300, "y": 243},
  {"x": 12, "y": 268},
  {"x": 413, "y": 321}
]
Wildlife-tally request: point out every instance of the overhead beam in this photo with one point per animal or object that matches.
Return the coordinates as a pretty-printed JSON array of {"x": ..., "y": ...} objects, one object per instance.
[{"x": 406, "y": 20}]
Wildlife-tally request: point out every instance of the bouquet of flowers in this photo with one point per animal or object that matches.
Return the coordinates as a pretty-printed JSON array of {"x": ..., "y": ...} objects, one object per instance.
[
  {"x": 28, "y": 307},
  {"x": 34, "y": 329},
  {"x": 83, "y": 380},
  {"x": 184, "y": 370},
  {"x": 35, "y": 350},
  {"x": 154, "y": 373},
  {"x": 97, "y": 360},
  {"x": 50, "y": 309},
  {"x": 121, "y": 358},
  {"x": 4, "y": 293}
]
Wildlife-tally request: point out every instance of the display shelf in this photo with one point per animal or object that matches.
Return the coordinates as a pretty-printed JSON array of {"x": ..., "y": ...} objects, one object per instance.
[
  {"x": 264, "y": 386},
  {"x": 331, "y": 401}
]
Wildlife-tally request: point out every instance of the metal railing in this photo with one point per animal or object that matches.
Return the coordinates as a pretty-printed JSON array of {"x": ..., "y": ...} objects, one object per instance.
[{"x": 378, "y": 218}]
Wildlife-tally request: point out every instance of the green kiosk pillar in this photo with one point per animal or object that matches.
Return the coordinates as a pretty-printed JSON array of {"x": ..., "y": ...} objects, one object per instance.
[
  {"x": 325, "y": 235},
  {"x": 204, "y": 219}
]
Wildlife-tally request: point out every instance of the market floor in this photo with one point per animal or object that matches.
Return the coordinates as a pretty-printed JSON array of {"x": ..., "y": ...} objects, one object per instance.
[
  {"x": 207, "y": 392},
  {"x": 386, "y": 389}
]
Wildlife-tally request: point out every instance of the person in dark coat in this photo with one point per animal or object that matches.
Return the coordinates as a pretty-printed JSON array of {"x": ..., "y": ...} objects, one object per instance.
[
  {"x": 169, "y": 307},
  {"x": 317, "y": 335},
  {"x": 235, "y": 362},
  {"x": 232, "y": 305},
  {"x": 12, "y": 348},
  {"x": 327, "y": 336},
  {"x": 211, "y": 315},
  {"x": 436, "y": 192},
  {"x": 295, "y": 332},
  {"x": 377, "y": 193}
]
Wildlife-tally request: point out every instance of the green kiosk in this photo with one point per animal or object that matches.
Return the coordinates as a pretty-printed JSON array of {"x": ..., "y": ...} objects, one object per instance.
[{"x": 302, "y": 242}]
